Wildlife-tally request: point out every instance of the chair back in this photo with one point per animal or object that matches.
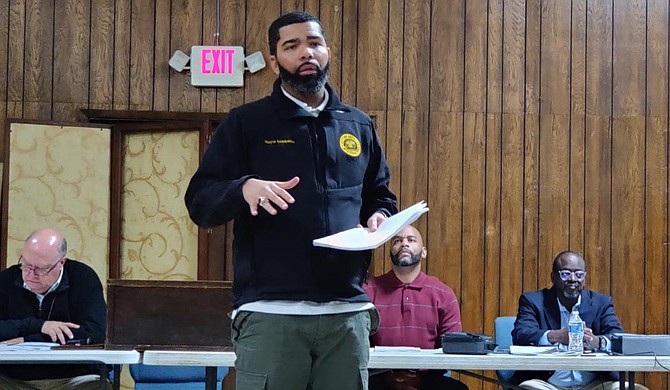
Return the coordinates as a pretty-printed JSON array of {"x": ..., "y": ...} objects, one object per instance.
[
  {"x": 503, "y": 337},
  {"x": 503, "y": 331},
  {"x": 148, "y": 377}
]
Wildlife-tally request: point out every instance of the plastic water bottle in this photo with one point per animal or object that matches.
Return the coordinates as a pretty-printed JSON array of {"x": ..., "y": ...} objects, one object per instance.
[{"x": 576, "y": 334}]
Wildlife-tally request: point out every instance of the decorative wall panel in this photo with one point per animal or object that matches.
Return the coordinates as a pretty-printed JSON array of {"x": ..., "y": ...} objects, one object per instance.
[
  {"x": 158, "y": 240},
  {"x": 58, "y": 176}
]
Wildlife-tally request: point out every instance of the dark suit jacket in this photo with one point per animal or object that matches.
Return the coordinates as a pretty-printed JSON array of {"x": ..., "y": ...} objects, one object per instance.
[{"x": 538, "y": 313}]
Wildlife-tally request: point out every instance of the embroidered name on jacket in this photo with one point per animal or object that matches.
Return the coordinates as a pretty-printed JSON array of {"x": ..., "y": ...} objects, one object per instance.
[
  {"x": 278, "y": 141},
  {"x": 350, "y": 145}
]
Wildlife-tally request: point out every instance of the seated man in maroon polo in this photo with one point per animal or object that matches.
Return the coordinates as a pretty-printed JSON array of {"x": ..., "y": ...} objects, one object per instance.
[{"x": 415, "y": 310}]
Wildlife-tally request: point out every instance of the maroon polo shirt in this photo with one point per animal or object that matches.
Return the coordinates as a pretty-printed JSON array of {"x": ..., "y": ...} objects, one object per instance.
[{"x": 414, "y": 314}]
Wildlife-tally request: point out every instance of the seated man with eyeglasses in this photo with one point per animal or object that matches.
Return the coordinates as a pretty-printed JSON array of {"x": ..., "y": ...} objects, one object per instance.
[
  {"x": 47, "y": 297},
  {"x": 543, "y": 320}
]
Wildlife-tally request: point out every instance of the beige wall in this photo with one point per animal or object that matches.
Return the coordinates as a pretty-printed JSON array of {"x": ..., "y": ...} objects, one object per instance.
[
  {"x": 50, "y": 188},
  {"x": 158, "y": 240}
]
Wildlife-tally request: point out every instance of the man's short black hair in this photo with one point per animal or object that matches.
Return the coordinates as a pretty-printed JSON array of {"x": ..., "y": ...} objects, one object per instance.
[{"x": 285, "y": 20}]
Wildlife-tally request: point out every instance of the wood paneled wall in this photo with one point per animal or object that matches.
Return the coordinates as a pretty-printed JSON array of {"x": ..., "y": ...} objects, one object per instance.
[{"x": 529, "y": 126}]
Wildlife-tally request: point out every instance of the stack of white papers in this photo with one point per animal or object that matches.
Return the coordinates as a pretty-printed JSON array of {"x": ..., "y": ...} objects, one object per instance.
[
  {"x": 381, "y": 348},
  {"x": 530, "y": 350},
  {"x": 27, "y": 346},
  {"x": 358, "y": 239}
]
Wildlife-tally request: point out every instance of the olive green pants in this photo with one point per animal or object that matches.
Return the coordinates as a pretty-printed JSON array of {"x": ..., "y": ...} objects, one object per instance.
[{"x": 279, "y": 352}]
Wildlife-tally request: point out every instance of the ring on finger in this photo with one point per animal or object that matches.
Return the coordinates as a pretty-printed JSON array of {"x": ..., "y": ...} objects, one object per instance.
[{"x": 262, "y": 200}]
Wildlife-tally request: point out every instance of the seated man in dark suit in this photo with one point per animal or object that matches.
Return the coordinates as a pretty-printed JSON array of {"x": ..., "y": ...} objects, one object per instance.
[
  {"x": 47, "y": 297},
  {"x": 543, "y": 319}
]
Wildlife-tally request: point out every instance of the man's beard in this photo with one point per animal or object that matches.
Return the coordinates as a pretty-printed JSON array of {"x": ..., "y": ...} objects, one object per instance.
[
  {"x": 306, "y": 85},
  {"x": 572, "y": 294},
  {"x": 405, "y": 261}
]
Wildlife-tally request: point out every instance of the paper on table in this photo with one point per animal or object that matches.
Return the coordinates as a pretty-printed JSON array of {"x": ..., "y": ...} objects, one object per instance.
[
  {"x": 531, "y": 350},
  {"x": 358, "y": 239},
  {"x": 27, "y": 346},
  {"x": 381, "y": 348}
]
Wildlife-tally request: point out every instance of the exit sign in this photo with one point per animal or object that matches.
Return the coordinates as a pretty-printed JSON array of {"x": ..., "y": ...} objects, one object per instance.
[{"x": 217, "y": 66}]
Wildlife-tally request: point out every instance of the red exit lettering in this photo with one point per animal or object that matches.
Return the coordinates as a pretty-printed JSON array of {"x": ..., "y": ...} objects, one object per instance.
[{"x": 217, "y": 61}]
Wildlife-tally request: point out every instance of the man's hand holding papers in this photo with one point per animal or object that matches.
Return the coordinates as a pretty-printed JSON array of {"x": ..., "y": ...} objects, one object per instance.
[{"x": 359, "y": 238}]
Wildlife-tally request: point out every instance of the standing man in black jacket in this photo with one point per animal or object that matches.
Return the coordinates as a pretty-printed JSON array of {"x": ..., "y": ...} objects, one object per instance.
[
  {"x": 49, "y": 298},
  {"x": 289, "y": 168}
]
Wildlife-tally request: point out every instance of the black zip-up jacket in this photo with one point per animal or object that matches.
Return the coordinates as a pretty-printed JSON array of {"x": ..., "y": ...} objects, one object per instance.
[
  {"x": 344, "y": 179},
  {"x": 78, "y": 298}
]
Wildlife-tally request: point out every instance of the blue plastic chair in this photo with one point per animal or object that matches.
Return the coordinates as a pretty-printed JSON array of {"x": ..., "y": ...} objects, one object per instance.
[
  {"x": 148, "y": 377},
  {"x": 503, "y": 337}
]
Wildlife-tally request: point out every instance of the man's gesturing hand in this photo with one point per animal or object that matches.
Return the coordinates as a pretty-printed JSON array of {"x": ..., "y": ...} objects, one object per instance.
[
  {"x": 59, "y": 331},
  {"x": 267, "y": 194}
]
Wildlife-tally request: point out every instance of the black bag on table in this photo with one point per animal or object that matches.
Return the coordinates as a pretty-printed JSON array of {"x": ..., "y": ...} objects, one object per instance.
[{"x": 465, "y": 343}]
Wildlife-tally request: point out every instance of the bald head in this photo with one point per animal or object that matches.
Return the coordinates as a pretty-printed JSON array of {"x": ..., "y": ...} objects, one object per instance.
[
  {"x": 42, "y": 259},
  {"x": 46, "y": 242},
  {"x": 568, "y": 257},
  {"x": 409, "y": 231}
]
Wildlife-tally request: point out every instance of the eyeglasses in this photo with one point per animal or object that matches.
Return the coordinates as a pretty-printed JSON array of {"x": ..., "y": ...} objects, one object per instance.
[
  {"x": 37, "y": 271},
  {"x": 566, "y": 273}
]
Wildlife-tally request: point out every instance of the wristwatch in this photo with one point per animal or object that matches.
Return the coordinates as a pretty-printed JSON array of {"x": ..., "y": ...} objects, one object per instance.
[{"x": 602, "y": 343}]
